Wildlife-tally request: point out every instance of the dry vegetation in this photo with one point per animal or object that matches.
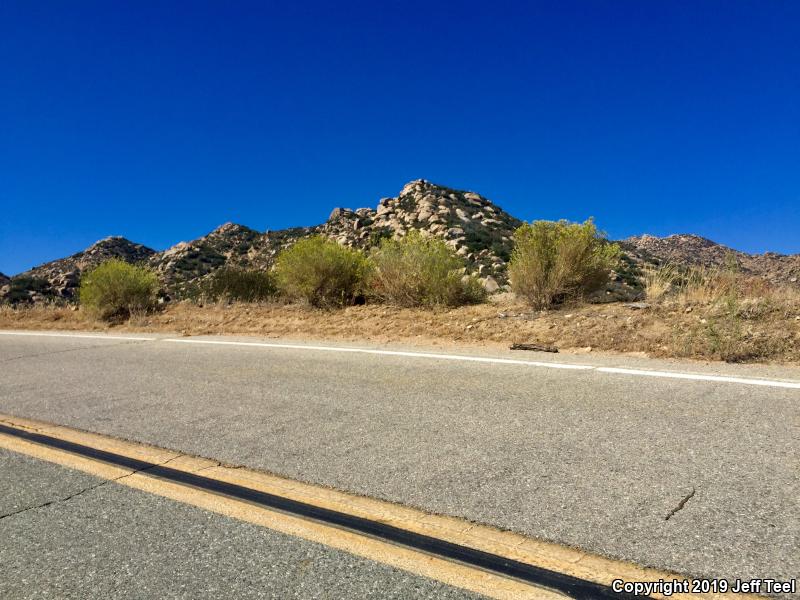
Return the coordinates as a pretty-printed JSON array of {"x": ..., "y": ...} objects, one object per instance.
[
  {"x": 703, "y": 320},
  {"x": 737, "y": 318}
]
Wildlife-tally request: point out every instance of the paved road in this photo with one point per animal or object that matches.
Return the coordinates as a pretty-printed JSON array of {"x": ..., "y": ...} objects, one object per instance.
[
  {"x": 581, "y": 457},
  {"x": 109, "y": 541}
]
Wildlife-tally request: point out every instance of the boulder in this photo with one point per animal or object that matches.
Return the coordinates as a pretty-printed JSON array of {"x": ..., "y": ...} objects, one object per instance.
[{"x": 490, "y": 284}]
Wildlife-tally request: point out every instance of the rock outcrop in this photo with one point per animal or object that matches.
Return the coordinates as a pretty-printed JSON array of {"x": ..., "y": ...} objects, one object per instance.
[
  {"x": 478, "y": 230},
  {"x": 474, "y": 227},
  {"x": 228, "y": 244}
]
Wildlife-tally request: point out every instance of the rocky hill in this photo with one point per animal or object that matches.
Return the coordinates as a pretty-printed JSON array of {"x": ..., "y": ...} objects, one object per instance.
[
  {"x": 478, "y": 230},
  {"x": 60, "y": 279},
  {"x": 687, "y": 249}
]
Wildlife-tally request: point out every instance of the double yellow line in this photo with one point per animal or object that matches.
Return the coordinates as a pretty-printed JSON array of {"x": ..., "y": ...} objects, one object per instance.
[{"x": 551, "y": 557}]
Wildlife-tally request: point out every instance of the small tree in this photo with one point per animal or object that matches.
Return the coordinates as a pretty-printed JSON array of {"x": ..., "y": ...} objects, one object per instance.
[
  {"x": 321, "y": 272},
  {"x": 421, "y": 271},
  {"x": 554, "y": 261},
  {"x": 116, "y": 289},
  {"x": 239, "y": 285}
]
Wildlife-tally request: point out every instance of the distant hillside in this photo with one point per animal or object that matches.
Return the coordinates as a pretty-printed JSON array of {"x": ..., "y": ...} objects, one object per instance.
[
  {"x": 477, "y": 229},
  {"x": 686, "y": 249}
]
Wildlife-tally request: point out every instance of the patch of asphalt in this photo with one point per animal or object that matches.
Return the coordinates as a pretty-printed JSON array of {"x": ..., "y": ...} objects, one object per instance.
[
  {"x": 28, "y": 483},
  {"x": 63, "y": 343},
  {"x": 114, "y": 542},
  {"x": 572, "y": 457}
]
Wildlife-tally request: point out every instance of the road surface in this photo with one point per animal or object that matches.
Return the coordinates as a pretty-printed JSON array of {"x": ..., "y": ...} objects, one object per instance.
[
  {"x": 108, "y": 541},
  {"x": 693, "y": 475}
]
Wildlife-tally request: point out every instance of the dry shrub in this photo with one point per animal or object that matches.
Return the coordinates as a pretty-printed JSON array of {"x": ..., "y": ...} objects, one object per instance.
[
  {"x": 554, "y": 261},
  {"x": 421, "y": 271},
  {"x": 239, "y": 285},
  {"x": 321, "y": 272},
  {"x": 116, "y": 289}
]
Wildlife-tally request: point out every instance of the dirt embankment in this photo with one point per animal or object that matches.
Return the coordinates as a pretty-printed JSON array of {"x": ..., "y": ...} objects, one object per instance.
[{"x": 746, "y": 333}]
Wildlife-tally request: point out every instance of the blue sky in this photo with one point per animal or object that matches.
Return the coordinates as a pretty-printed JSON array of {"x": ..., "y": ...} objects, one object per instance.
[{"x": 161, "y": 120}]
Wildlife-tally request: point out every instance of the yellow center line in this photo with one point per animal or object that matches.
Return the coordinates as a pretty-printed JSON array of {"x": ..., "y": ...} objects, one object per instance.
[{"x": 554, "y": 557}]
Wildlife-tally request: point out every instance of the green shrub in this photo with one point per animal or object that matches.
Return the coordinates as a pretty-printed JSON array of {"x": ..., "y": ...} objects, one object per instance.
[
  {"x": 239, "y": 285},
  {"x": 116, "y": 289},
  {"x": 321, "y": 272},
  {"x": 554, "y": 261},
  {"x": 421, "y": 271}
]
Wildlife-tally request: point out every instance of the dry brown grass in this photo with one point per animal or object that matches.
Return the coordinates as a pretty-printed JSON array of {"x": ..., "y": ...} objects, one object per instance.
[
  {"x": 46, "y": 317},
  {"x": 659, "y": 281},
  {"x": 753, "y": 329},
  {"x": 739, "y": 317}
]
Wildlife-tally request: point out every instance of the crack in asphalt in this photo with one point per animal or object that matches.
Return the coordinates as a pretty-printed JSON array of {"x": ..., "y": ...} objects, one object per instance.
[
  {"x": 13, "y": 358},
  {"x": 681, "y": 504},
  {"x": 87, "y": 489}
]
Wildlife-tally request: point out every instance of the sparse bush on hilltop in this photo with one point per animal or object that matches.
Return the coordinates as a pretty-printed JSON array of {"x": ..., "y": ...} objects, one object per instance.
[
  {"x": 421, "y": 271},
  {"x": 554, "y": 261},
  {"x": 321, "y": 272},
  {"x": 116, "y": 289},
  {"x": 239, "y": 285}
]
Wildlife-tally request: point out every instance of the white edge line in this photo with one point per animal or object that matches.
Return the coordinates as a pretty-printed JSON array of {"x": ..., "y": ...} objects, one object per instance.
[
  {"x": 700, "y": 377},
  {"x": 458, "y": 357},
  {"x": 78, "y": 335},
  {"x": 506, "y": 361},
  {"x": 481, "y": 359}
]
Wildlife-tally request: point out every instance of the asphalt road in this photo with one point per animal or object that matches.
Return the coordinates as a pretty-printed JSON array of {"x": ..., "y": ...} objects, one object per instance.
[
  {"x": 581, "y": 457},
  {"x": 71, "y": 535}
]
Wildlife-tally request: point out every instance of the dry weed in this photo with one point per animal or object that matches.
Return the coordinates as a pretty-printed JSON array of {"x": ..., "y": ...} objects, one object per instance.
[{"x": 659, "y": 281}]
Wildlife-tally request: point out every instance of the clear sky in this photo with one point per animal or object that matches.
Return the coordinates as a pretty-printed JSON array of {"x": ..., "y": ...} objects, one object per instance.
[{"x": 160, "y": 120}]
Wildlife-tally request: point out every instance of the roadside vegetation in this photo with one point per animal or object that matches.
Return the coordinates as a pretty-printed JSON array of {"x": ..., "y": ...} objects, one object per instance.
[
  {"x": 321, "y": 272},
  {"x": 662, "y": 330},
  {"x": 421, "y": 271},
  {"x": 557, "y": 261},
  {"x": 386, "y": 295},
  {"x": 118, "y": 290},
  {"x": 238, "y": 285},
  {"x": 729, "y": 308}
]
